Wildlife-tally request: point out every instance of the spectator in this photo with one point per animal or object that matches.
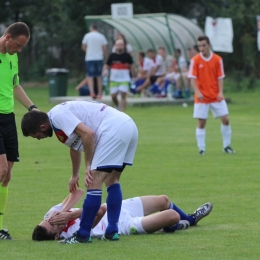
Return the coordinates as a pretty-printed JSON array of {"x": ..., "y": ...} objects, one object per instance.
[
  {"x": 95, "y": 45},
  {"x": 83, "y": 88},
  {"x": 120, "y": 65},
  {"x": 182, "y": 63},
  {"x": 128, "y": 47},
  {"x": 145, "y": 65},
  {"x": 167, "y": 63},
  {"x": 156, "y": 71}
]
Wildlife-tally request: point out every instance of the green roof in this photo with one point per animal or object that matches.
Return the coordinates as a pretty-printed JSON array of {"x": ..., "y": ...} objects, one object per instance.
[{"x": 147, "y": 31}]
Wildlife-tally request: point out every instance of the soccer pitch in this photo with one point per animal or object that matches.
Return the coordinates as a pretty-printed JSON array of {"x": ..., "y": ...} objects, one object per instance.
[{"x": 166, "y": 162}]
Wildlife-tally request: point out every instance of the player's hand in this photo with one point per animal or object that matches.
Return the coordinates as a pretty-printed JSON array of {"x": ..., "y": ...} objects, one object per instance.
[
  {"x": 74, "y": 183},
  {"x": 199, "y": 95},
  {"x": 220, "y": 96},
  {"x": 60, "y": 219},
  {"x": 77, "y": 88},
  {"x": 88, "y": 177},
  {"x": 54, "y": 213}
]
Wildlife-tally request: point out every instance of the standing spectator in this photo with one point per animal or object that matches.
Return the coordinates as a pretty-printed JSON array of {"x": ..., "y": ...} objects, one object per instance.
[
  {"x": 95, "y": 45},
  {"x": 207, "y": 73},
  {"x": 108, "y": 139},
  {"x": 13, "y": 41},
  {"x": 128, "y": 47},
  {"x": 120, "y": 65}
]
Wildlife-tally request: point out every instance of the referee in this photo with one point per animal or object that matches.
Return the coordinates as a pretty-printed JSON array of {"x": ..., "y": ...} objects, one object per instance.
[{"x": 14, "y": 39}]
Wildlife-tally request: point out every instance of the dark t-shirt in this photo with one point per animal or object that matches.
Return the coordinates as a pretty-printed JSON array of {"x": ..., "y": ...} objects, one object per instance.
[
  {"x": 120, "y": 67},
  {"x": 119, "y": 58}
]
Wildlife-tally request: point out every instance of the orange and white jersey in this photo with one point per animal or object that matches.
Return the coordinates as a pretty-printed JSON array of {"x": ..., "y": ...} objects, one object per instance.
[{"x": 207, "y": 72}]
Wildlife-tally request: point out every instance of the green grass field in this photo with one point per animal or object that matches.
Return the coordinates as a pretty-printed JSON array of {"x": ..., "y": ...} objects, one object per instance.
[{"x": 166, "y": 162}]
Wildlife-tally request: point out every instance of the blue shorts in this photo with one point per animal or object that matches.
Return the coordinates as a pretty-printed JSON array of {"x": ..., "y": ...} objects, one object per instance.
[{"x": 94, "y": 68}]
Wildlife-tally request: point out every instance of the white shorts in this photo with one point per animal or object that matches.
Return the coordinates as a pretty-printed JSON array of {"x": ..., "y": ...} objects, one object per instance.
[
  {"x": 116, "y": 87},
  {"x": 218, "y": 109},
  {"x": 116, "y": 146},
  {"x": 173, "y": 76},
  {"x": 132, "y": 213}
]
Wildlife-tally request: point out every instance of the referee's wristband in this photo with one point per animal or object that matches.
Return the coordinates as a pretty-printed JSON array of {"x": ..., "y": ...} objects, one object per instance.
[{"x": 32, "y": 107}]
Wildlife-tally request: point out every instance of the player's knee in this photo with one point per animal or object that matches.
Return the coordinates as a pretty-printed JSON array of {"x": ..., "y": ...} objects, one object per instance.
[
  {"x": 225, "y": 120},
  {"x": 165, "y": 201},
  {"x": 3, "y": 172},
  {"x": 174, "y": 217}
]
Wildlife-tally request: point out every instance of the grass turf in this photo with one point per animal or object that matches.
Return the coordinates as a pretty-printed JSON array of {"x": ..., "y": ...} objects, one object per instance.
[{"x": 166, "y": 162}]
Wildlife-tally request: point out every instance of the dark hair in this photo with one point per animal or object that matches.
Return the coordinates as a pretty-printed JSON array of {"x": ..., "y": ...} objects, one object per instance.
[
  {"x": 32, "y": 121},
  {"x": 17, "y": 29},
  {"x": 204, "y": 38},
  {"x": 40, "y": 233},
  {"x": 178, "y": 51},
  {"x": 151, "y": 50},
  {"x": 141, "y": 53},
  {"x": 94, "y": 26},
  {"x": 195, "y": 47}
]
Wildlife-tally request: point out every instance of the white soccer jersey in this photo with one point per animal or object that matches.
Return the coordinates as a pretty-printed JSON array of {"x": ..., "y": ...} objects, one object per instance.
[
  {"x": 71, "y": 227},
  {"x": 130, "y": 217},
  {"x": 99, "y": 117}
]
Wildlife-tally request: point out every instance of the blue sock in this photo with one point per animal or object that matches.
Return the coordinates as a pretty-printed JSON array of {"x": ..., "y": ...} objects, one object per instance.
[
  {"x": 91, "y": 206},
  {"x": 155, "y": 88},
  {"x": 165, "y": 85},
  {"x": 182, "y": 214},
  {"x": 171, "y": 229},
  {"x": 114, "y": 203},
  {"x": 139, "y": 82}
]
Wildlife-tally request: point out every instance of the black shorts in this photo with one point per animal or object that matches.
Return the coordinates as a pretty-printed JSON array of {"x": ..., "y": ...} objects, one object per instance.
[
  {"x": 154, "y": 78},
  {"x": 8, "y": 137}
]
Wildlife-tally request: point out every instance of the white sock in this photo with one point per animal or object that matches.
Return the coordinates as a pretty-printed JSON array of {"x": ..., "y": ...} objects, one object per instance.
[
  {"x": 226, "y": 135},
  {"x": 200, "y": 135}
]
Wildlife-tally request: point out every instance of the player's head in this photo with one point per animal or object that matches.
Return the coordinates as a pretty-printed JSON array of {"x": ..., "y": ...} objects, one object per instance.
[
  {"x": 140, "y": 55},
  {"x": 151, "y": 54},
  {"x": 36, "y": 124},
  {"x": 204, "y": 45},
  {"x": 46, "y": 231},
  {"x": 16, "y": 37},
  {"x": 178, "y": 51},
  {"x": 120, "y": 46},
  {"x": 162, "y": 51}
]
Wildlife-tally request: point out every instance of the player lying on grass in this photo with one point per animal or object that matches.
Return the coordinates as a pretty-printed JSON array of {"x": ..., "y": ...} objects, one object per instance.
[{"x": 139, "y": 215}]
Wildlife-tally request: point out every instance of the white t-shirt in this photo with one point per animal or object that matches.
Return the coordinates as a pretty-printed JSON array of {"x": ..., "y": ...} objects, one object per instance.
[
  {"x": 158, "y": 62},
  {"x": 99, "y": 117},
  {"x": 94, "y": 42},
  {"x": 148, "y": 65},
  {"x": 182, "y": 63}
]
